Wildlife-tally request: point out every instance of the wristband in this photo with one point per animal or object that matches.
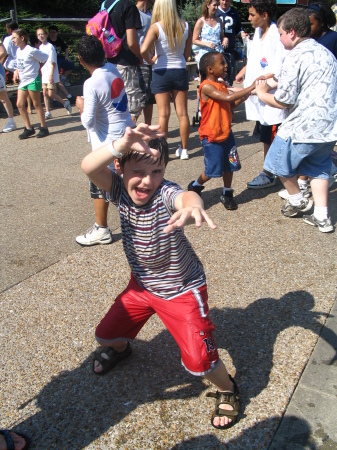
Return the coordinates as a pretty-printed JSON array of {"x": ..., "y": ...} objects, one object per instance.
[{"x": 114, "y": 152}]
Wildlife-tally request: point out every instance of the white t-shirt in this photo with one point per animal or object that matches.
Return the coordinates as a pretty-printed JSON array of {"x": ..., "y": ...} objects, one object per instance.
[
  {"x": 308, "y": 81},
  {"x": 11, "y": 49},
  {"x": 106, "y": 113},
  {"x": 166, "y": 58},
  {"x": 264, "y": 57},
  {"x": 49, "y": 50},
  {"x": 28, "y": 62}
]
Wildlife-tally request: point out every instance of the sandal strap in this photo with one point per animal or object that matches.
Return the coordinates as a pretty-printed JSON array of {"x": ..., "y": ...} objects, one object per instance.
[
  {"x": 109, "y": 351},
  {"x": 9, "y": 440}
]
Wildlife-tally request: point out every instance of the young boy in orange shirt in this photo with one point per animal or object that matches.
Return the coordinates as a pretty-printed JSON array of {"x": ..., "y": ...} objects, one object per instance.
[{"x": 221, "y": 158}]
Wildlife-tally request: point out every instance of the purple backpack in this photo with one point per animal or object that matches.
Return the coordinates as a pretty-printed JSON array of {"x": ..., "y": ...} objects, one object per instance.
[{"x": 100, "y": 26}]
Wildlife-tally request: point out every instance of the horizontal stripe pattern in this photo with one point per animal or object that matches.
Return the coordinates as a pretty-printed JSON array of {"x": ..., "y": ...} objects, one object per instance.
[{"x": 164, "y": 264}]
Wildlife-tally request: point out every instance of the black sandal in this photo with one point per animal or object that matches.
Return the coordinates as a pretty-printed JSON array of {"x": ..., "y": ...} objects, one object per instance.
[
  {"x": 114, "y": 358},
  {"x": 226, "y": 398},
  {"x": 9, "y": 439}
]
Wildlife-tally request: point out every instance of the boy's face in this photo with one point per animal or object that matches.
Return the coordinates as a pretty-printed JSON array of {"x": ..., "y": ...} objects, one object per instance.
[
  {"x": 142, "y": 179},
  {"x": 219, "y": 67},
  {"x": 286, "y": 38},
  {"x": 256, "y": 19},
  {"x": 41, "y": 35},
  {"x": 225, "y": 4}
]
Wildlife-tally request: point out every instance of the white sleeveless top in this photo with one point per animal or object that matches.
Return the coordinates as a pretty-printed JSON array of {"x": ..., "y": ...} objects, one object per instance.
[{"x": 166, "y": 59}]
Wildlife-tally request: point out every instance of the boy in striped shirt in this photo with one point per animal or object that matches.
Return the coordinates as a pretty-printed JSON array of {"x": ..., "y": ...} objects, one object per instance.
[{"x": 167, "y": 277}]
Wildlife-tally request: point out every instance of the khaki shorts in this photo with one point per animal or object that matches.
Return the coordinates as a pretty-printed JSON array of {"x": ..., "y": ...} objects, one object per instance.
[
  {"x": 48, "y": 86},
  {"x": 132, "y": 78}
]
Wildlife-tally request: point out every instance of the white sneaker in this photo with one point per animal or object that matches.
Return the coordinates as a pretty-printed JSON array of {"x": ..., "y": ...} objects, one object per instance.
[
  {"x": 261, "y": 181},
  {"x": 178, "y": 152},
  {"x": 48, "y": 115},
  {"x": 304, "y": 189},
  {"x": 9, "y": 127},
  {"x": 67, "y": 106},
  {"x": 95, "y": 235},
  {"x": 184, "y": 154}
]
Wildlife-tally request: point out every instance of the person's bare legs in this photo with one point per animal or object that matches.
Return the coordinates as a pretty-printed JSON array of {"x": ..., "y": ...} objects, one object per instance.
[
  {"x": 180, "y": 103},
  {"x": 29, "y": 105},
  {"x": 53, "y": 94},
  {"x": 19, "y": 442},
  {"x": 148, "y": 111},
  {"x": 266, "y": 147},
  {"x": 46, "y": 100},
  {"x": 101, "y": 211},
  {"x": 219, "y": 377},
  {"x": 21, "y": 104},
  {"x": 36, "y": 99},
  {"x": 119, "y": 346},
  {"x": 227, "y": 179},
  {"x": 320, "y": 191},
  {"x": 62, "y": 88},
  {"x": 164, "y": 110},
  {"x": 203, "y": 178},
  {"x": 291, "y": 185},
  {"x": 7, "y": 104}
]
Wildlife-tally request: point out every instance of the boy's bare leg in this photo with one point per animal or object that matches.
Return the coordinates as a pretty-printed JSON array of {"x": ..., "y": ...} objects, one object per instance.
[
  {"x": 46, "y": 100},
  {"x": 101, "y": 212},
  {"x": 203, "y": 179},
  {"x": 291, "y": 185},
  {"x": 219, "y": 377},
  {"x": 119, "y": 346},
  {"x": 266, "y": 147},
  {"x": 53, "y": 94},
  {"x": 320, "y": 190},
  {"x": 227, "y": 179}
]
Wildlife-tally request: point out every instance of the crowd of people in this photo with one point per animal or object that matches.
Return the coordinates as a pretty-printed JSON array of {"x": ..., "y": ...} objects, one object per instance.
[{"x": 290, "y": 91}]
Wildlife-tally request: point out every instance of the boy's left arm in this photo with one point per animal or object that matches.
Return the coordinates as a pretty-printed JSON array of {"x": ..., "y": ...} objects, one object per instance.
[{"x": 189, "y": 206}]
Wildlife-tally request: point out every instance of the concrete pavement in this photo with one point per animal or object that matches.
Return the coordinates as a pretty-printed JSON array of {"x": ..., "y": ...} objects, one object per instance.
[{"x": 272, "y": 289}]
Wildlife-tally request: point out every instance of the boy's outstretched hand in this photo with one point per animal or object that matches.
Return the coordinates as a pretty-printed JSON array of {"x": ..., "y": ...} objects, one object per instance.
[
  {"x": 189, "y": 207},
  {"x": 136, "y": 139},
  {"x": 184, "y": 216}
]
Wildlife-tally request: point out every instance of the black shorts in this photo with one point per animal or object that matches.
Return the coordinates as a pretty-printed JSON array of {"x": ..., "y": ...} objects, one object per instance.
[{"x": 267, "y": 132}]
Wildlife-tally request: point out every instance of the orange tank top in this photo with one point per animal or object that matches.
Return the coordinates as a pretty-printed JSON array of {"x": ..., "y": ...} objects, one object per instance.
[{"x": 216, "y": 117}]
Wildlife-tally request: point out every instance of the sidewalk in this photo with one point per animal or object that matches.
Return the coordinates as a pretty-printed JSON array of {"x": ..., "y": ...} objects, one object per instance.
[{"x": 272, "y": 293}]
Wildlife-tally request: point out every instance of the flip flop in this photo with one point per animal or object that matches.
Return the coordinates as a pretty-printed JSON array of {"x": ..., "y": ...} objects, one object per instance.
[{"x": 10, "y": 442}]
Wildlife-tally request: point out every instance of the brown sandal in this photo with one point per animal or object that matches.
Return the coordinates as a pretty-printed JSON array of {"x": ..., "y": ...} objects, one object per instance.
[{"x": 226, "y": 398}]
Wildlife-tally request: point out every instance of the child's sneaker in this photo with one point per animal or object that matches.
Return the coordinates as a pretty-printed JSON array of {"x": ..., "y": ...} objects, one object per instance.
[
  {"x": 261, "y": 181},
  {"x": 67, "y": 106},
  {"x": 42, "y": 133},
  {"x": 290, "y": 210},
  {"x": 10, "y": 126},
  {"x": 95, "y": 235},
  {"x": 47, "y": 115},
  {"x": 284, "y": 194},
  {"x": 228, "y": 201},
  {"x": 27, "y": 133},
  {"x": 325, "y": 225},
  {"x": 305, "y": 192},
  {"x": 196, "y": 189}
]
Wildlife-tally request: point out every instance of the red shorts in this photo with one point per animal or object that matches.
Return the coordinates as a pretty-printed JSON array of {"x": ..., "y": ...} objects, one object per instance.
[{"x": 185, "y": 317}]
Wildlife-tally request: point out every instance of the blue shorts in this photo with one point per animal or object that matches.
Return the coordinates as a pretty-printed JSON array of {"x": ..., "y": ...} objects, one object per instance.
[
  {"x": 287, "y": 160},
  {"x": 168, "y": 80},
  {"x": 220, "y": 157}
]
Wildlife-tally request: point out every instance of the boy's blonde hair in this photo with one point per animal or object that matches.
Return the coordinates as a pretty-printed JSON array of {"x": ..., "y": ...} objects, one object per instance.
[{"x": 165, "y": 11}]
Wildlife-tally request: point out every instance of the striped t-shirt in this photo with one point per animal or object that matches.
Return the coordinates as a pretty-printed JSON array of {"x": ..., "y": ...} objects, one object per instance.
[{"x": 165, "y": 264}]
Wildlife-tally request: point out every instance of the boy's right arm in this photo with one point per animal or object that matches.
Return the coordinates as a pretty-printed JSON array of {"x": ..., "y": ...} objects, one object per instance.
[{"x": 209, "y": 91}]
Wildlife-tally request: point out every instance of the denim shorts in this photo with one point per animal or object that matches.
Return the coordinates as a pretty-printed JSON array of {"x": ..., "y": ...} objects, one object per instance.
[
  {"x": 286, "y": 159},
  {"x": 167, "y": 80},
  {"x": 220, "y": 157}
]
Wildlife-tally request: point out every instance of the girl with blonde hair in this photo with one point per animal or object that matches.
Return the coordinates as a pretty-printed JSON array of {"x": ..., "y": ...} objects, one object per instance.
[{"x": 172, "y": 41}]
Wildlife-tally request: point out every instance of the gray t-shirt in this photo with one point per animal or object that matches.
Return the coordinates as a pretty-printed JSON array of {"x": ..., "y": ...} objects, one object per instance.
[{"x": 308, "y": 81}]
